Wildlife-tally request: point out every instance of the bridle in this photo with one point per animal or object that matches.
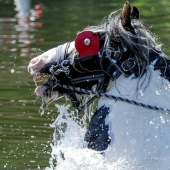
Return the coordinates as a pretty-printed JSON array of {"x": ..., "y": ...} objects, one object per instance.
[
  {"x": 95, "y": 64},
  {"x": 107, "y": 63}
]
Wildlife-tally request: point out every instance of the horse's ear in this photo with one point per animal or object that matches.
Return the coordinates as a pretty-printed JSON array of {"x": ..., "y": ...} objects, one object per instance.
[
  {"x": 126, "y": 16},
  {"x": 135, "y": 13}
]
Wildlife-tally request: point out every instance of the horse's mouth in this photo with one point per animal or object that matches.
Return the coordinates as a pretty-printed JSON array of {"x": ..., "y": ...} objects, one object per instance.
[
  {"x": 42, "y": 90},
  {"x": 47, "y": 96},
  {"x": 45, "y": 92},
  {"x": 38, "y": 77},
  {"x": 34, "y": 68}
]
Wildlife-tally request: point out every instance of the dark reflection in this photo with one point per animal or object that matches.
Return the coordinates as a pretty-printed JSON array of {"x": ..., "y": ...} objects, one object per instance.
[{"x": 18, "y": 33}]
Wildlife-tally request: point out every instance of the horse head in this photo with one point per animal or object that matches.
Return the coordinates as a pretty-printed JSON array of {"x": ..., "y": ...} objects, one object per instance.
[
  {"x": 85, "y": 65},
  {"x": 118, "y": 57}
]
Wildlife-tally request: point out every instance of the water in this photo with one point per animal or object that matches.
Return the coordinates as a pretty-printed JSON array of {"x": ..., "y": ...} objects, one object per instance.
[
  {"x": 69, "y": 150},
  {"x": 27, "y": 139}
]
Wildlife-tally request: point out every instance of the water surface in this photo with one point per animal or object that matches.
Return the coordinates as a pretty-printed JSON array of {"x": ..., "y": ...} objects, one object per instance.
[{"x": 25, "y": 135}]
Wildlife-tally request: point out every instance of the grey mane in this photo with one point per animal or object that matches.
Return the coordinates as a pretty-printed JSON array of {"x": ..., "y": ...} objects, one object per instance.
[{"x": 140, "y": 44}]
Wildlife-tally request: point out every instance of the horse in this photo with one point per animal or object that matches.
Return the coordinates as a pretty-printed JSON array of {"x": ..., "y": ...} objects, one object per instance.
[{"x": 121, "y": 62}]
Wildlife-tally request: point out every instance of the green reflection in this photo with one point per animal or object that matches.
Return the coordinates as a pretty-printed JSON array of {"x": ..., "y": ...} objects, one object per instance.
[{"x": 25, "y": 135}]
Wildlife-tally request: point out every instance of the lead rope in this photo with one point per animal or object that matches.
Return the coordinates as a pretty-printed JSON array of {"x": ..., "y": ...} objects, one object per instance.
[{"x": 99, "y": 94}]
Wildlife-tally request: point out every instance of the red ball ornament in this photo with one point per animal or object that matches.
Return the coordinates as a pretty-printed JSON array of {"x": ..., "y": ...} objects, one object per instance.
[{"x": 87, "y": 43}]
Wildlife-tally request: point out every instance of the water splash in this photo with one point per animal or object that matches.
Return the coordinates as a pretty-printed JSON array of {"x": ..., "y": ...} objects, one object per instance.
[{"x": 69, "y": 150}]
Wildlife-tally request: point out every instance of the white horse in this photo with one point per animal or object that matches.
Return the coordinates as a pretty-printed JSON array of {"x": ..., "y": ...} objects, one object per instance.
[{"x": 119, "y": 57}]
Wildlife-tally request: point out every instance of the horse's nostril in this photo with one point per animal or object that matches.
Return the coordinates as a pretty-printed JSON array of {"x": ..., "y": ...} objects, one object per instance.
[
  {"x": 35, "y": 60},
  {"x": 36, "y": 64},
  {"x": 32, "y": 64}
]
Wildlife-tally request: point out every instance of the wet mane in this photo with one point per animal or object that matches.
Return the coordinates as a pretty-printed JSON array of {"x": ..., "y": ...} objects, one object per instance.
[{"x": 141, "y": 43}]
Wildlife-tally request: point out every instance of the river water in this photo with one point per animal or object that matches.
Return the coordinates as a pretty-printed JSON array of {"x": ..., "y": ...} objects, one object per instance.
[{"x": 26, "y": 138}]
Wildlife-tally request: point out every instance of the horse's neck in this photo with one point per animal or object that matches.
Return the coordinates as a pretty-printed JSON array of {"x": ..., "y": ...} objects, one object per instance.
[
  {"x": 137, "y": 131},
  {"x": 152, "y": 88}
]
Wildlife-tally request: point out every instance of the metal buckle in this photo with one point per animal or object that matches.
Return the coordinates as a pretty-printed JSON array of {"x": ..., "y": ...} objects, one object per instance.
[{"x": 128, "y": 64}]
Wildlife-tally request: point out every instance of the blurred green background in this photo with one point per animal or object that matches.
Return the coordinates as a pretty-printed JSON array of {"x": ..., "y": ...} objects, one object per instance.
[{"x": 25, "y": 136}]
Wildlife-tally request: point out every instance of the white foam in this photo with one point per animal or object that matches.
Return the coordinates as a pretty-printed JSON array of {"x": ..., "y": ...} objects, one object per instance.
[{"x": 69, "y": 150}]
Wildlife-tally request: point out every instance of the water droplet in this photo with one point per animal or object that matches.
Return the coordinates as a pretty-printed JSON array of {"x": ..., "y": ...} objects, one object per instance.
[
  {"x": 151, "y": 122},
  {"x": 133, "y": 141},
  {"x": 141, "y": 93},
  {"x": 12, "y": 71},
  {"x": 162, "y": 119},
  {"x": 158, "y": 92}
]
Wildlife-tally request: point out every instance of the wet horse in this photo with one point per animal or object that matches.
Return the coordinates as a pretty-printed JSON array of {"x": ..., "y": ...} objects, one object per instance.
[{"x": 119, "y": 57}]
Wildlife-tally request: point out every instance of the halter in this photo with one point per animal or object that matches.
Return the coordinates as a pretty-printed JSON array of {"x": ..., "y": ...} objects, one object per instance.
[
  {"x": 95, "y": 65},
  {"x": 95, "y": 61}
]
